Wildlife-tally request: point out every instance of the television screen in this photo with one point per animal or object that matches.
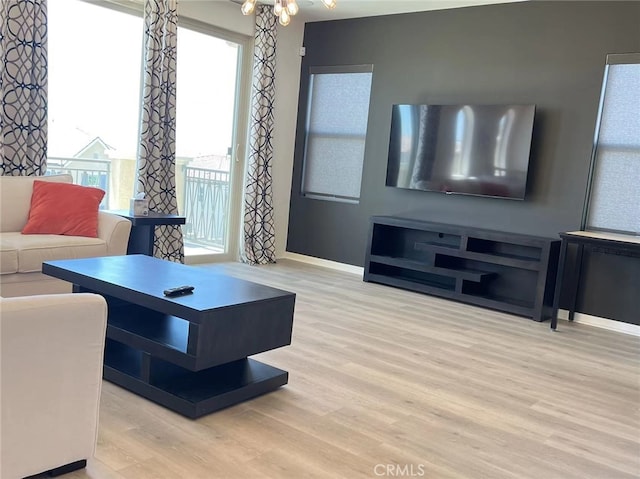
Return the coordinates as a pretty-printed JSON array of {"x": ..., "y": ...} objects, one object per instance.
[{"x": 461, "y": 149}]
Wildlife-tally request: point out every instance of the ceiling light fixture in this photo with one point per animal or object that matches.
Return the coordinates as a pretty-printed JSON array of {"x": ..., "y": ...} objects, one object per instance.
[{"x": 283, "y": 9}]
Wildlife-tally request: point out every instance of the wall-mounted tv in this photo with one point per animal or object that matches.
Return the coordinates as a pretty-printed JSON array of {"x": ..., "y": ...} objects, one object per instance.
[{"x": 461, "y": 149}]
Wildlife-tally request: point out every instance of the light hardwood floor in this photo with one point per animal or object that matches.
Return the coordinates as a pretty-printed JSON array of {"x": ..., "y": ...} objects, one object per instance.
[{"x": 389, "y": 383}]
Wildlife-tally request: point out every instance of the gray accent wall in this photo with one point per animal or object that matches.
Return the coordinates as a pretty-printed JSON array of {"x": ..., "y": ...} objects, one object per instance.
[{"x": 551, "y": 54}]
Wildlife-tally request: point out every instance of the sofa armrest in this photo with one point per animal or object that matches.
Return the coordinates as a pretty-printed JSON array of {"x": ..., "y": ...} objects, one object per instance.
[
  {"x": 115, "y": 231},
  {"x": 52, "y": 349}
]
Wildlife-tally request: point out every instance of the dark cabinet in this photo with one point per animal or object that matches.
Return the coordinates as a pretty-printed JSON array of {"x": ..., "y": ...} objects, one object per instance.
[{"x": 503, "y": 271}]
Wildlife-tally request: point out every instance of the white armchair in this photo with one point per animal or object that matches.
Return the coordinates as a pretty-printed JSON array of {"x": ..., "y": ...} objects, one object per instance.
[{"x": 51, "y": 357}]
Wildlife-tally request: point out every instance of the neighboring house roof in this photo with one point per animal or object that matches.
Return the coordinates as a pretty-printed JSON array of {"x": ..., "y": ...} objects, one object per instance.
[
  {"x": 211, "y": 162},
  {"x": 96, "y": 141},
  {"x": 66, "y": 140}
]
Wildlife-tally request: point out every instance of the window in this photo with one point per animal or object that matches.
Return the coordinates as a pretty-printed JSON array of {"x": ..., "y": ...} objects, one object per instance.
[
  {"x": 94, "y": 96},
  {"x": 336, "y": 129},
  {"x": 95, "y": 55},
  {"x": 614, "y": 198},
  {"x": 208, "y": 135}
]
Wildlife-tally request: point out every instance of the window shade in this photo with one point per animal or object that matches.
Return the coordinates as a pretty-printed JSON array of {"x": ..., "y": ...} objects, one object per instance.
[
  {"x": 336, "y": 129},
  {"x": 614, "y": 202}
]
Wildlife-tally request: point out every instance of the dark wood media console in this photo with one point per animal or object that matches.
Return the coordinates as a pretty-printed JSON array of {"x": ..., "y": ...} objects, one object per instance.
[{"x": 503, "y": 271}]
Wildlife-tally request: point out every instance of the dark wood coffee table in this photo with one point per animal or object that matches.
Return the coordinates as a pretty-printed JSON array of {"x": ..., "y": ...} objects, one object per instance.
[{"x": 188, "y": 353}]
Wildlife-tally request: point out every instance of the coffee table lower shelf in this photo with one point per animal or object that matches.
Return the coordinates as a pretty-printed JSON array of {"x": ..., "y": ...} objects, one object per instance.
[{"x": 190, "y": 393}]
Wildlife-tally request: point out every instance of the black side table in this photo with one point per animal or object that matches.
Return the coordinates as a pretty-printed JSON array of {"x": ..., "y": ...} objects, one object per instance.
[
  {"x": 143, "y": 229},
  {"x": 612, "y": 243}
]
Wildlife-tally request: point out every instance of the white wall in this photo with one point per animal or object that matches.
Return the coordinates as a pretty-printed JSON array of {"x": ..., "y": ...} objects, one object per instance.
[
  {"x": 227, "y": 15},
  {"x": 286, "y": 114},
  {"x": 221, "y": 14}
]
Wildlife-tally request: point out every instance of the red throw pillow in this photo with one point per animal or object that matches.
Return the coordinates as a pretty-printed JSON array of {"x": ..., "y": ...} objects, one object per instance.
[{"x": 63, "y": 209}]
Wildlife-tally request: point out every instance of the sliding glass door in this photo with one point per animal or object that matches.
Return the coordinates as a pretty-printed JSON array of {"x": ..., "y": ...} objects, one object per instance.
[
  {"x": 94, "y": 110},
  {"x": 209, "y": 140}
]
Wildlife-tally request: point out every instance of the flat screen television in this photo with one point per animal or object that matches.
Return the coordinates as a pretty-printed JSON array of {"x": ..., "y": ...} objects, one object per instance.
[{"x": 461, "y": 149}]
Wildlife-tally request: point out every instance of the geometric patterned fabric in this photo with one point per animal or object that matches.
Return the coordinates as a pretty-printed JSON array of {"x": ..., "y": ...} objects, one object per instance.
[
  {"x": 156, "y": 150},
  {"x": 259, "y": 229},
  {"x": 23, "y": 87}
]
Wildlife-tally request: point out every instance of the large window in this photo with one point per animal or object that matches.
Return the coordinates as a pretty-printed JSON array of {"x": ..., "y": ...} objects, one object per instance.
[
  {"x": 95, "y": 62},
  {"x": 94, "y": 96},
  {"x": 614, "y": 200},
  {"x": 336, "y": 129},
  {"x": 208, "y": 76}
]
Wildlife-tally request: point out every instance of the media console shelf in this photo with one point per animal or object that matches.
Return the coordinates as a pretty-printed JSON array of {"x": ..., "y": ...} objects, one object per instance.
[{"x": 503, "y": 271}]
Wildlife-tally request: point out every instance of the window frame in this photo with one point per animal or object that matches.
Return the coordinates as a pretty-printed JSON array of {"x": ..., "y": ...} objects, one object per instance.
[
  {"x": 611, "y": 60},
  {"x": 331, "y": 70},
  {"x": 241, "y": 115}
]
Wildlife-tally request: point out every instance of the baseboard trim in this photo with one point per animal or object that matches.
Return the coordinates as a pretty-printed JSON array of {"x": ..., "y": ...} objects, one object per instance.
[
  {"x": 596, "y": 321},
  {"x": 604, "y": 323},
  {"x": 325, "y": 263}
]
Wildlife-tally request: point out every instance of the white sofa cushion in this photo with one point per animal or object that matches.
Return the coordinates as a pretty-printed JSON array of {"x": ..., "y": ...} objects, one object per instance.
[
  {"x": 15, "y": 196},
  {"x": 8, "y": 258},
  {"x": 32, "y": 250},
  {"x": 31, "y": 284}
]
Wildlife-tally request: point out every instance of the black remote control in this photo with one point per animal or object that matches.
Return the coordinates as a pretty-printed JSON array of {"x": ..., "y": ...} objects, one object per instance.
[{"x": 179, "y": 291}]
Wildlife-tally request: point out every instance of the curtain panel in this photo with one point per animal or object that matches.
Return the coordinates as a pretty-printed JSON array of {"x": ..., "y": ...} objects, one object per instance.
[
  {"x": 259, "y": 229},
  {"x": 156, "y": 152},
  {"x": 23, "y": 87}
]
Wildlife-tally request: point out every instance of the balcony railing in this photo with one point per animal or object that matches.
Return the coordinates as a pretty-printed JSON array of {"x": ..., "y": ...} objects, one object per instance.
[
  {"x": 206, "y": 196},
  {"x": 85, "y": 172},
  {"x": 206, "y": 205}
]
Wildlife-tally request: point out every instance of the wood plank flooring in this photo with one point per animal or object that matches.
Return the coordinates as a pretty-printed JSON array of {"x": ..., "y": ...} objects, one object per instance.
[{"x": 389, "y": 383}]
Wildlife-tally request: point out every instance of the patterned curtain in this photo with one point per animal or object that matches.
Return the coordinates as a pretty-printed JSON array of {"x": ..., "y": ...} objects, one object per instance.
[
  {"x": 23, "y": 87},
  {"x": 259, "y": 230},
  {"x": 156, "y": 152}
]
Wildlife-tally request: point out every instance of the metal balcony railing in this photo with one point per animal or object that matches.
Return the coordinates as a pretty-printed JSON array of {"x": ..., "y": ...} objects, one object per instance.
[
  {"x": 206, "y": 206},
  {"x": 85, "y": 172},
  {"x": 206, "y": 196}
]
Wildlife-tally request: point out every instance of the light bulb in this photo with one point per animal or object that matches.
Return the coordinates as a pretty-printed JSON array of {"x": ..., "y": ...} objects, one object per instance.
[
  {"x": 248, "y": 7},
  {"x": 285, "y": 18},
  {"x": 292, "y": 7},
  {"x": 277, "y": 8},
  {"x": 330, "y": 4}
]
